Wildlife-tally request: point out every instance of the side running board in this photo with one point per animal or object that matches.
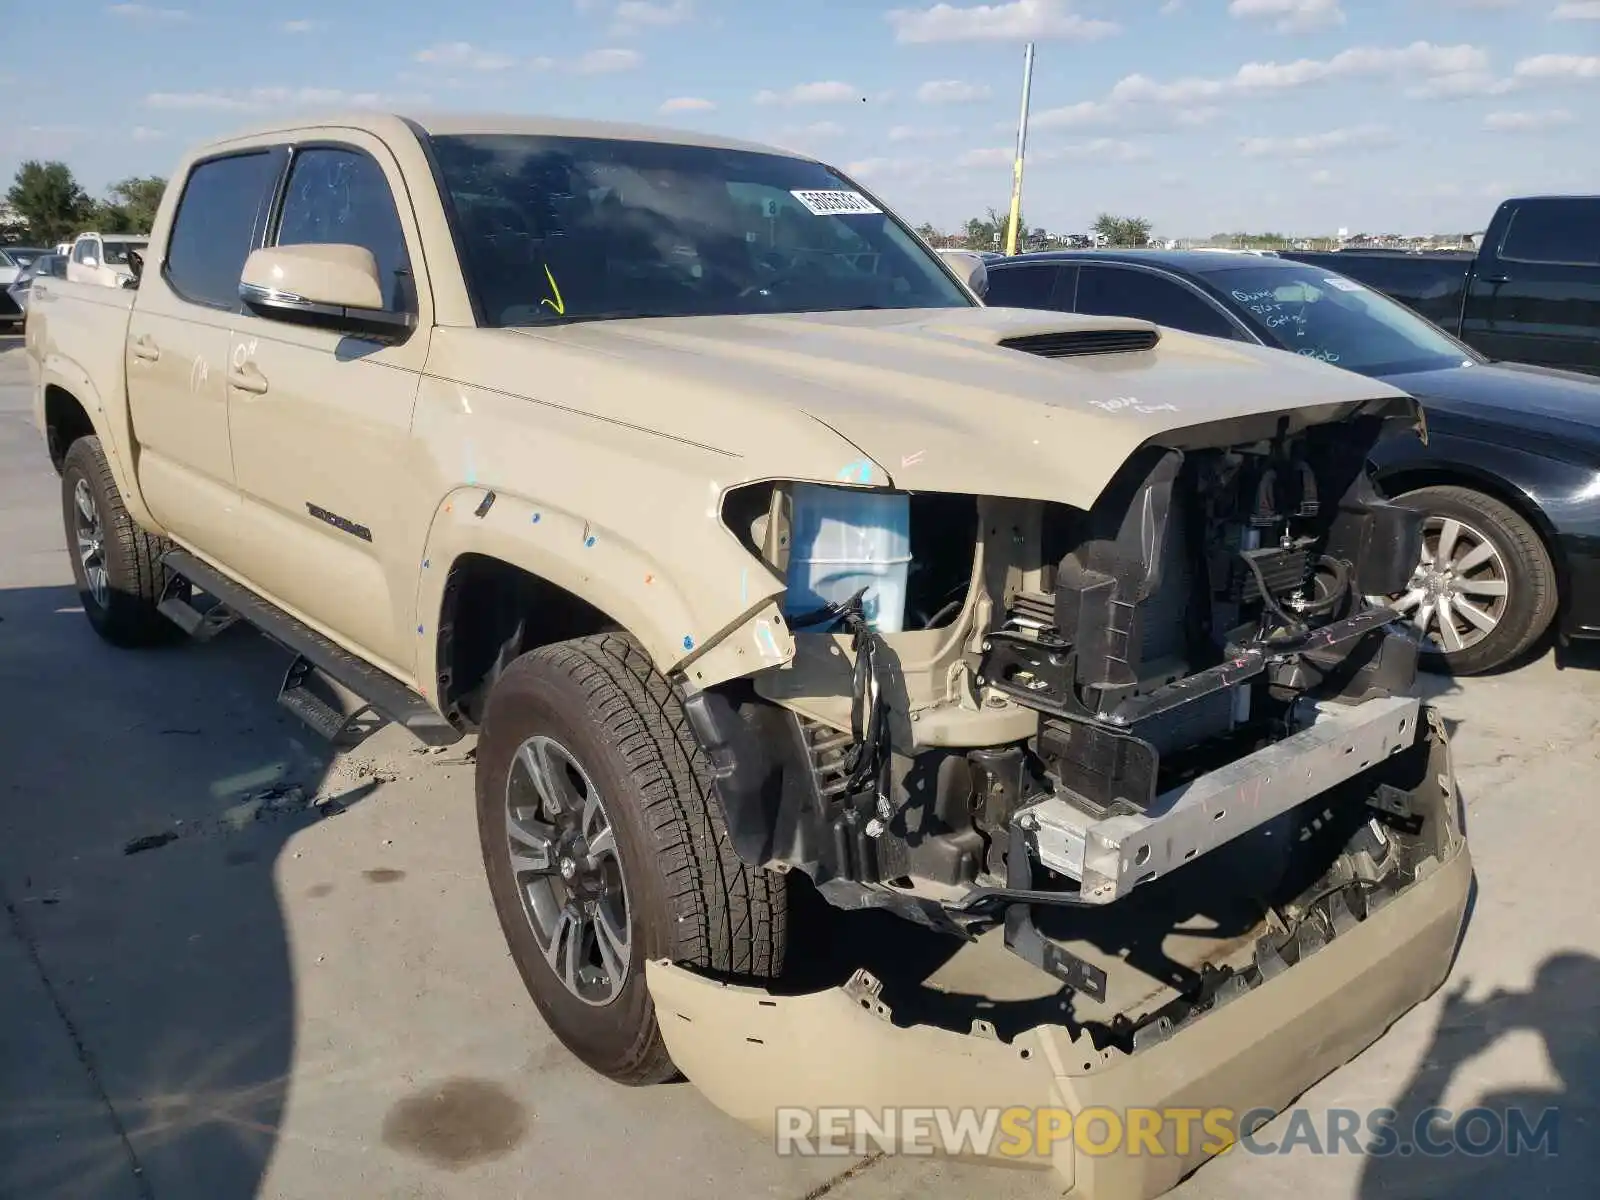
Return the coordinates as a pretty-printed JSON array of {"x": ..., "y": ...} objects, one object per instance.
[{"x": 314, "y": 654}]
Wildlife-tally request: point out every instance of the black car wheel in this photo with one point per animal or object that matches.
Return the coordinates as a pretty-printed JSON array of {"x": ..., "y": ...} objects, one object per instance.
[
  {"x": 115, "y": 563},
  {"x": 605, "y": 848},
  {"x": 1485, "y": 590}
]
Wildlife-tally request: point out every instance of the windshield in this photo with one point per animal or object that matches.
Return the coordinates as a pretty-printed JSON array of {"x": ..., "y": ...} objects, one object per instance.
[
  {"x": 1337, "y": 320},
  {"x": 117, "y": 252},
  {"x": 560, "y": 229}
]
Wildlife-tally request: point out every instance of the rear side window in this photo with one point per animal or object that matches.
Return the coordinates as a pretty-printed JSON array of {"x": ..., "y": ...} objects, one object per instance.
[
  {"x": 1555, "y": 231},
  {"x": 215, "y": 228},
  {"x": 1032, "y": 286},
  {"x": 342, "y": 196},
  {"x": 1126, "y": 292}
]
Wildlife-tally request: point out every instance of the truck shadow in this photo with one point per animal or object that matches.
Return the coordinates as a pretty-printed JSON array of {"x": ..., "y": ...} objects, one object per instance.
[
  {"x": 1533, "y": 1140},
  {"x": 150, "y": 1015}
]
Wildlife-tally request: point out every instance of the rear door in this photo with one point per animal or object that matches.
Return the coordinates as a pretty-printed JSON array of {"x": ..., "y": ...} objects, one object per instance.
[
  {"x": 1044, "y": 285},
  {"x": 178, "y": 343},
  {"x": 1119, "y": 290},
  {"x": 1535, "y": 297},
  {"x": 321, "y": 421}
]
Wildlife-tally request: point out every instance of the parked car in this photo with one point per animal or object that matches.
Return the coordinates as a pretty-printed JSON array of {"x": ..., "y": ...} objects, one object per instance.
[
  {"x": 54, "y": 265},
  {"x": 1530, "y": 294},
  {"x": 1510, "y": 474},
  {"x": 14, "y": 260},
  {"x": 103, "y": 258},
  {"x": 762, "y": 557}
]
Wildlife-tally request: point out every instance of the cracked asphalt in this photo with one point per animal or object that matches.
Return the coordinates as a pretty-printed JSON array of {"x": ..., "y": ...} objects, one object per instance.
[{"x": 233, "y": 967}]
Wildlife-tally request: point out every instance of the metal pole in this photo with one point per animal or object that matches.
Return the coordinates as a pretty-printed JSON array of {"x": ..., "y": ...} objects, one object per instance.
[{"x": 1022, "y": 149}]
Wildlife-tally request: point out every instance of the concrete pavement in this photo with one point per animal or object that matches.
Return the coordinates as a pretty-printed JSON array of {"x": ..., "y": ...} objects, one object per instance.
[{"x": 235, "y": 967}]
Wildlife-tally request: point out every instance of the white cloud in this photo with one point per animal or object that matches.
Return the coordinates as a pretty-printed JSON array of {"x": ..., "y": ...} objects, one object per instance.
[
  {"x": 146, "y": 12},
  {"x": 884, "y": 168},
  {"x": 143, "y": 133},
  {"x": 1290, "y": 16},
  {"x": 1310, "y": 144},
  {"x": 1527, "y": 122},
  {"x": 1461, "y": 83},
  {"x": 826, "y": 92},
  {"x": 687, "y": 104},
  {"x": 1578, "y": 10},
  {"x": 1170, "y": 7},
  {"x": 1106, "y": 114},
  {"x": 263, "y": 99},
  {"x": 1095, "y": 150},
  {"x": 632, "y": 16},
  {"x": 1559, "y": 67},
  {"x": 952, "y": 91},
  {"x": 466, "y": 56},
  {"x": 300, "y": 26},
  {"x": 920, "y": 133},
  {"x": 606, "y": 62},
  {"x": 1018, "y": 20},
  {"x": 1323, "y": 178}
]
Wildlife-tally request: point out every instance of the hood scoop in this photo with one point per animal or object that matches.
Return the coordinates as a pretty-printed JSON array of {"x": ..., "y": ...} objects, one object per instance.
[{"x": 1073, "y": 343}]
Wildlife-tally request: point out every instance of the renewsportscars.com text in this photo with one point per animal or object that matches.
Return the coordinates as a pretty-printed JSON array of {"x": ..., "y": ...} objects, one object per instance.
[{"x": 1022, "y": 1132}]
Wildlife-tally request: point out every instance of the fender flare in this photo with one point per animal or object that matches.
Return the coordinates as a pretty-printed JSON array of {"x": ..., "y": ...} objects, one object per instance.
[
  {"x": 605, "y": 569},
  {"x": 110, "y": 424}
]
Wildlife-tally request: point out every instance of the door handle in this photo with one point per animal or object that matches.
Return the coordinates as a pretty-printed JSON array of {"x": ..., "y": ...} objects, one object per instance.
[
  {"x": 145, "y": 349},
  {"x": 247, "y": 379},
  {"x": 1495, "y": 278}
]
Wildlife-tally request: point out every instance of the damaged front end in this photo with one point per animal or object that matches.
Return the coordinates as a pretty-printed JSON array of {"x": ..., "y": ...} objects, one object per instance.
[
  {"x": 1071, "y": 704},
  {"x": 1079, "y": 734}
]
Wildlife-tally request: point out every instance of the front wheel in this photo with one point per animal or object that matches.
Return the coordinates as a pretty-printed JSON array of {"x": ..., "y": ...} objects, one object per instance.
[
  {"x": 1485, "y": 590},
  {"x": 604, "y": 848}
]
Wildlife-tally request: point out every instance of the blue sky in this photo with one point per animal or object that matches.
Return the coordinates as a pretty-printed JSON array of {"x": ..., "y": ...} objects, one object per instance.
[{"x": 1201, "y": 115}]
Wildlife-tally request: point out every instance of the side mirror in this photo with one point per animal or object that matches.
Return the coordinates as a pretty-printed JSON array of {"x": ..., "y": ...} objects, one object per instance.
[
  {"x": 971, "y": 270},
  {"x": 136, "y": 265},
  {"x": 325, "y": 285},
  {"x": 90, "y": 260}
]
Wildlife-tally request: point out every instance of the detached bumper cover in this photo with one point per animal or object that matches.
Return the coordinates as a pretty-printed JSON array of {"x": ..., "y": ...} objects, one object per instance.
[{"x": 751, "y": 1052}]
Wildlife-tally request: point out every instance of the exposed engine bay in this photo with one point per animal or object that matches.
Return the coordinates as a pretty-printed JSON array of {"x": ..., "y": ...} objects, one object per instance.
[{"x": 1073, "y": 703}]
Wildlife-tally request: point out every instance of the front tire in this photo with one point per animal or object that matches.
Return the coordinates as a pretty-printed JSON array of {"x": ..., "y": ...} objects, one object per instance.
[
  {"x": 115, "y": 563},
  {"x": 1485, "y": 590},
  {"x": 604, "y": 848}
]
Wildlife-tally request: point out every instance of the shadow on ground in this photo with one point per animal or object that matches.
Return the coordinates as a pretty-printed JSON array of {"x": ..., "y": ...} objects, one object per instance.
[
  {"x": 148, "y": 1022},
  {"x": 1531, "y": 1141}
]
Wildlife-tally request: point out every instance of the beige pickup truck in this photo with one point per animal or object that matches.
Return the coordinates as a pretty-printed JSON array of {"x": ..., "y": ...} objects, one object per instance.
[{"x": 767, "y": 564}]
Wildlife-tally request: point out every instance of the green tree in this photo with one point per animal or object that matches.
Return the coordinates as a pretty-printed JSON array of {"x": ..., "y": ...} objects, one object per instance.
[
  {"x": 1122, "y": 231},
  {"x": 50, "y": 200},
  {"x": 131, "y": 205},
  {"x": 989, "y": 232}
]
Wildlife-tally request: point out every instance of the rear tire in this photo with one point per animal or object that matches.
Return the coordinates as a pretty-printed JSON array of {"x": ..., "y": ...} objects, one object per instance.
[
  {"x": 1504, "y": 599},
  {"x": 661, "y": 878},
  {"x": 115, "y": 563}
]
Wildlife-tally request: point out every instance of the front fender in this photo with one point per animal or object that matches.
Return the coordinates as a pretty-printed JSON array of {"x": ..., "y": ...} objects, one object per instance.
[{"x": 606, "y": 568}]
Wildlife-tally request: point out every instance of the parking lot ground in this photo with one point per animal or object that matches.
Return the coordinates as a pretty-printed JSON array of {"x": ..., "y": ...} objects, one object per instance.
[{"x": 236, "y": 967}]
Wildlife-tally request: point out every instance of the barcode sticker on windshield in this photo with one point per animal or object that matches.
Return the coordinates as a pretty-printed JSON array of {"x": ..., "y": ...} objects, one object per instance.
[
  {"x": 1344, "y": 285},
  {"x": 835, "y": 204}
]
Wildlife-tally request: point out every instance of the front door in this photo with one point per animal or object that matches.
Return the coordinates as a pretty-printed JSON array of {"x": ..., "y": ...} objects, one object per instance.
[
  {"x": 321, "y": 421},
  {"x": 178, "y": 344}
]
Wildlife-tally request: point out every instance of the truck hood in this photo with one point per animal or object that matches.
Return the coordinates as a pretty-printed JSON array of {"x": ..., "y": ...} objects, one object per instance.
[{"x": 926, "y": 400}]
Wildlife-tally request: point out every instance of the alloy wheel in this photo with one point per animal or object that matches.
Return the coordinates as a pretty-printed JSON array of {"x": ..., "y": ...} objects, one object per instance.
[
  {"x": 1459, "y": 592},
  {"x": 563, "y": 853},
  {"x": 90, "y": 532}
]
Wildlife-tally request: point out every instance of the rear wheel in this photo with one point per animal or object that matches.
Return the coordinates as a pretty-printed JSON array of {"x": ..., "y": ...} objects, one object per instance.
[
  {"x": 1485, "y": 590},
  {"x": 115, "y": 563},
  {"x": 604, "y": 849}
]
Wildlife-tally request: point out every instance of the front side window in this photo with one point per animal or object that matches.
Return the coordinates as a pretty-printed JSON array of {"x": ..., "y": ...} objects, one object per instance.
[
  {"x": 559, "y": 229},
  {"x": 1332, "y": 318},
  {"x": 214, "y": 230},
  {"x": 1556, "y": 230},
  {"x": 338, "y": 195},
  {"x": 1129, "y": 292},
  {"x": 83, "y": 251},
  {"x": 116, "y": 253}
]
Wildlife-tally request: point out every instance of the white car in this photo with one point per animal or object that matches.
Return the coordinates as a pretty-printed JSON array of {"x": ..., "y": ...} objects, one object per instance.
[{"x": 103, "y": 258}]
